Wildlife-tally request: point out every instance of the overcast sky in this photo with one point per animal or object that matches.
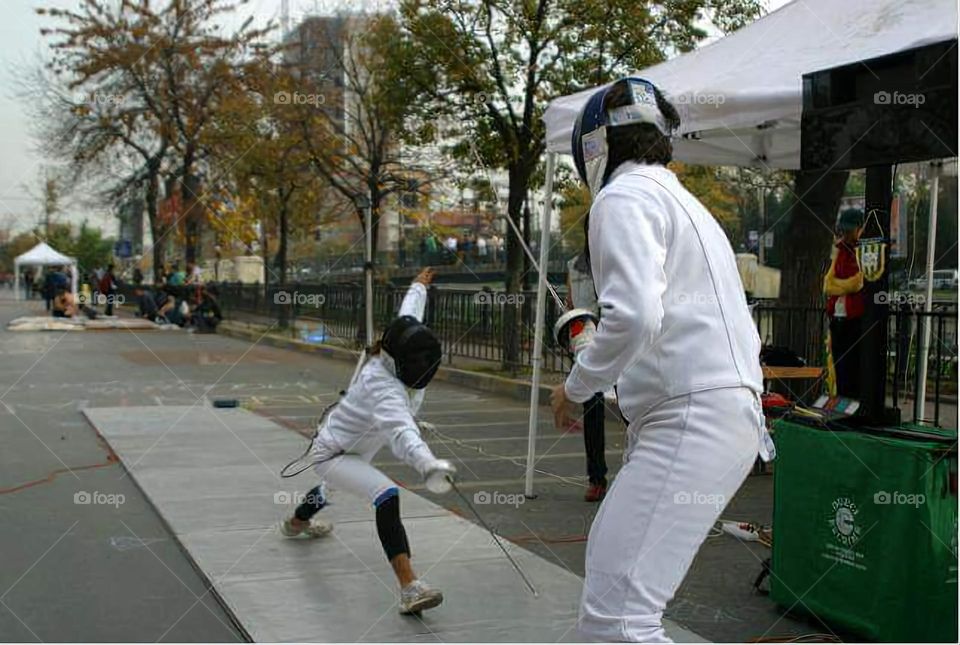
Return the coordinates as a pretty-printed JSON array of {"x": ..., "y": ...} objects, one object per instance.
[{"x": 21, "y": 46}]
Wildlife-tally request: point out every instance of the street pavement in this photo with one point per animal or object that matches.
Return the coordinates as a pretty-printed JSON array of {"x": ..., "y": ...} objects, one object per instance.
[{"x": 112, "y": 570}]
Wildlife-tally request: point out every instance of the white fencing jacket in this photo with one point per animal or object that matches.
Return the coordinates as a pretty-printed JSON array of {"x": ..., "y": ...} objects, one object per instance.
[
  {"x": 674, "y": 317},
  {"x": 378, "y": 409}
]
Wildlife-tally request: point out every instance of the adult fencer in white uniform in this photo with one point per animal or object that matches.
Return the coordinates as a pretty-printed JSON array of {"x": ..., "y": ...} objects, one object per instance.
[
  {"x": 379, "y": 410},
  {"x": 677, "y": 339}
]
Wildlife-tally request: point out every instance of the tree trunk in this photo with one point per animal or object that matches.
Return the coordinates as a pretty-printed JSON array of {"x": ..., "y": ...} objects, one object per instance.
[
  {"x": 512, "y": 319},
  {"x": 156, "y": 230},
  {"x": 189, "y": 190},
  {"x": 283, "y": 319},
  {"x": 806, "y": 259},
  {"x": 527, "y": 232}
]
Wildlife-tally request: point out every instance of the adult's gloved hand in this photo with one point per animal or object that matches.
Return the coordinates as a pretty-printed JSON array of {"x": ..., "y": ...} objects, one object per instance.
[{"x": 438, "y": 475}]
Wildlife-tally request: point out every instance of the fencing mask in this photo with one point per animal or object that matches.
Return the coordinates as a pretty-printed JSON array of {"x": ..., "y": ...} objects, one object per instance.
[
  {"x": 590, "y": 131},
  {"x": 413, "y": 350}
]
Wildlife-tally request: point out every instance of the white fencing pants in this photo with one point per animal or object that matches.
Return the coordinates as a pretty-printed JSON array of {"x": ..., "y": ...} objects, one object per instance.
[
  {"x": 352, "y": 471},
  {"x": 685, "y": 459}
]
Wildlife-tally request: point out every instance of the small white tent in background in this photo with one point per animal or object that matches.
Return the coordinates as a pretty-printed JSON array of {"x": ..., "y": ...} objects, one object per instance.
[{"x": 45, "y": 255}]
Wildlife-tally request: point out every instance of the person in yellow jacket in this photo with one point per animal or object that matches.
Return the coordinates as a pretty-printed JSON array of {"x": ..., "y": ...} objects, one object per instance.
[{"x": 843, "y": 286}]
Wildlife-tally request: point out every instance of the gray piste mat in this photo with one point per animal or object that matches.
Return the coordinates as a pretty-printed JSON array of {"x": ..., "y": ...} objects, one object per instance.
[{"x": 212, "y": 474}]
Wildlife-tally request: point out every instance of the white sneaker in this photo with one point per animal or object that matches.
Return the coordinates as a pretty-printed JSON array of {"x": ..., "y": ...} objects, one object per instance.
[
  {"x": 314, "y": 529},
  {"x": 417, "y": 596}
]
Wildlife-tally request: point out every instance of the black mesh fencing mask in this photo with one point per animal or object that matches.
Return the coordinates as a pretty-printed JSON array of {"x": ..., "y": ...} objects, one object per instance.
[{"x": 415, "y": 351}]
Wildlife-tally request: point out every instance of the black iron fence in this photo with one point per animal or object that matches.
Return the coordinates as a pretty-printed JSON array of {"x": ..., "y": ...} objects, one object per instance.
[
  {"x": 472, "y": 326},
  {"x": 905, "y": 350}
]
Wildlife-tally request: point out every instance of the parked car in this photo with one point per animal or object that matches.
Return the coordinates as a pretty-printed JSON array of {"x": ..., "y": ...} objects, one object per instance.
[{"x": 945, "y": 279}]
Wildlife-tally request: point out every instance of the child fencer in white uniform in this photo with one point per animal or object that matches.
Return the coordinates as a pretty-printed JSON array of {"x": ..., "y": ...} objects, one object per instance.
[{"x": 379, "y": 410}]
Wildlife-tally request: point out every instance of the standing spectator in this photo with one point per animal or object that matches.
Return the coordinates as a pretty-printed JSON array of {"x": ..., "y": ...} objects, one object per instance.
[
  {"x": 28, "y": 283},
  {"x": 53, "y": 279},
  {"x": 482, "y": 249},
  {"x": 451, "y": 246},
  {"x": 137, "y": 276},
  {"x": 423, "y": 251},
  {"x": 93, "y": 279},
  {"x": 108, "y": 289},
  {"x": 843, "y": 286},
  {"x": 193, "y": 274},
  {"x": 583, "y": 295},
  {"x": 176, "y": 277}
]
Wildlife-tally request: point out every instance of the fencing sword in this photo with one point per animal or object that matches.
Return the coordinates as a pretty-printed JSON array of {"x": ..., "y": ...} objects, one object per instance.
[
  {"x": 516, "y": 565},
  {"x": 576, "y": 326},
  {"x": 523, "y": 243},
  {"x": 447, "y": 483}
]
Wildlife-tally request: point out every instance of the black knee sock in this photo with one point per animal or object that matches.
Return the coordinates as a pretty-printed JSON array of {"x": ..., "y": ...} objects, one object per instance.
[
  {"x": 393, "y": 537},
  {"x": 311, "y": 505}
]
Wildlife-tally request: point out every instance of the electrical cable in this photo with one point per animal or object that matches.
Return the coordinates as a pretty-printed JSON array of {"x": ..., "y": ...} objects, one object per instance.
[{"x": 513, "y": 460}]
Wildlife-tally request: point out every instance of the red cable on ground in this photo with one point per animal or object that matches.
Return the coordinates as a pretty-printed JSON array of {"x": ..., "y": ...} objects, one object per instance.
[{"x": 111, "y": 459}]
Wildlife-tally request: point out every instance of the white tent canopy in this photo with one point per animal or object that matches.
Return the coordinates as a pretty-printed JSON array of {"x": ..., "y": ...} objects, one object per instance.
[
  {"x": 740, "y": 97},
  {"x": 45, "y": 255}
]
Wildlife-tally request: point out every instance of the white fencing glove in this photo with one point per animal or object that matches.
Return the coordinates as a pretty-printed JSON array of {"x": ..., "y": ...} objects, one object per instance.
[{"x": 438, "y": 475}]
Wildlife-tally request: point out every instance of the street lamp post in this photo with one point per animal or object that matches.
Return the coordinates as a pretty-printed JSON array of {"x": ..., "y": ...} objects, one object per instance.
[{"x": 363, "y": 203}]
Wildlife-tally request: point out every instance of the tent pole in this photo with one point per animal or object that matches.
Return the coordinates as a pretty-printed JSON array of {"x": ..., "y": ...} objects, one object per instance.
[
  {"x": 537, "y": 354},
  {"x": 921, "y": 400},
  {"x": 73, "y": 281}
]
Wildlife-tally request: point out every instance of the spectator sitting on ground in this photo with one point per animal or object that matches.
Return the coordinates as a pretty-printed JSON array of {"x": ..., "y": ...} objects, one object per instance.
[
  {"x": 207, "y": 315},
  {"x": 179, "y": 311},
  {"x": 146, "y": 303},
  {"x": 153, "y": 307},
  {"x": 166, "y": 302},
  {"x": 62, "y": 305}
]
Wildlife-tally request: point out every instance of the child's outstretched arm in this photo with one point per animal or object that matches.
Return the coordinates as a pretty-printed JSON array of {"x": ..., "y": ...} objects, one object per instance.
[
  {"x": 415, "y": 302},
  {"x": 392, "y": 416}
]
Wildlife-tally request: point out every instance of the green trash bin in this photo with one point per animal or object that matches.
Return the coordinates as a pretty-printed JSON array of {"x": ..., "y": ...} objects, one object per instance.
[{"x": 865, "y": 531}]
